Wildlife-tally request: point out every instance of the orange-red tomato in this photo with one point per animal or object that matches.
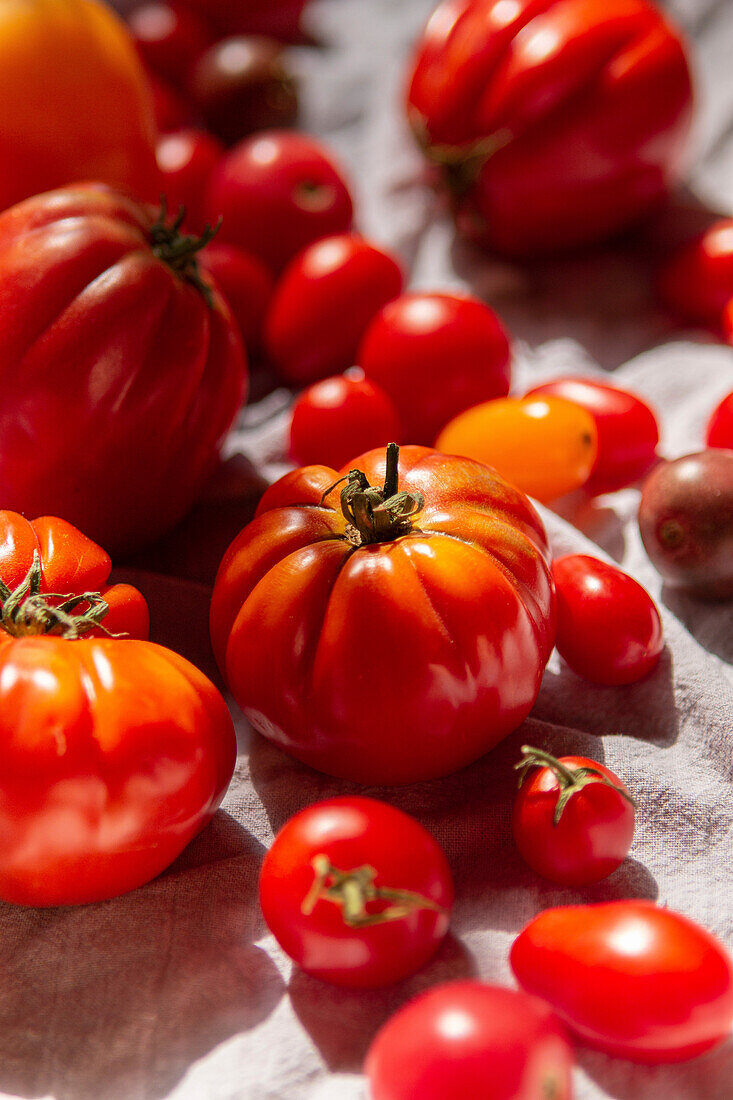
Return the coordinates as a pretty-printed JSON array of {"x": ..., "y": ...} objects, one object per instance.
[
  {"x": 546, "y": 446},
  {"x": 74, "y": 101}
]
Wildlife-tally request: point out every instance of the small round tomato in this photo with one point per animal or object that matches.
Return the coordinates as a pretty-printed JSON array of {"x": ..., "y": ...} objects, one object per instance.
[
  {"x": 186, "y": 160},
  {"x": 628, "y": 432},
  {"x": 608, "y": 626},
  {"x": 246, "y": 284},
  {"x": 169, "y": 38},
  {"x": 171, "y": 110},
  {"x": 697, "y": 281},
  {"x": 629, "y": 978},
  {"x": 719, "y": 432},
  {"x": 546, "y": 446},
  {"x": 465, "y": 1040},
  {"x": 338, "y": 416},
  {"x": 324, "y": 302},
  {"x": 435, "y": 355},
  {"x": 573, "y": 819},
  {"x": 356, "y": 892},
  {"x": 278, "y": 192}
]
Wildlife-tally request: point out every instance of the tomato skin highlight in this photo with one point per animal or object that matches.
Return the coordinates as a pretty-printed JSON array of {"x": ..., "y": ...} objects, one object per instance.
[
  {"x": 719, "y": 431},
  {"x": 629, "y": 978},
  {"x": 169, "y": 38},
  {"x": 608, "y": 626},
  {"x": 186, "y": 159},
  {"x": 696, "y": 282},
  {"x": 354, "y": 833},
  {"x": 464, "y": 1040}
]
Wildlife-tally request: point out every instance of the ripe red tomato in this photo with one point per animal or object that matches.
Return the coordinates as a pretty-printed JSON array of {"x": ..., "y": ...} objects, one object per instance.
[
  {"x": 171, "y": 110},
  {"x": 407, "y": 651},
  {"x": 279, "y": 18},
  {"x": 323, "y": 303},
  {"x": 465, "y": 1040},
  {"x": 120, "y": 371},
  {"x": 629, "y": 978},
  {"x": 627, "y": 428},
  {"x": 246, "y": 284},
  {"x": 719, "y": 432},
  {"x": 186, "y": 160},
  {"x": 114, "y": 753},
  {"x": 573, "y": 819},
  {"x": 608, "y": 627},
  {"x": 555, "y": 122},
  {"x": 169, "y": 38},
  {"x": 277, "y": 192},
  {"x": 337, "y": 416},
  {"x": 435, "y": 355},
  {"x": 356, "y": 892},
  {"x": 697, "y": 281}
]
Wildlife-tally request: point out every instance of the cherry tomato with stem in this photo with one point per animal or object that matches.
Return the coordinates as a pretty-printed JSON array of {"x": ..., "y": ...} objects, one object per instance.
[
  {"x": 719, "y": 432},
  {"x": 169, "y": 38},
  {"x": 186, "y": 160},
  {"x": 356, "y": 892},
  {"x": 696, "y": 282},
  {"x": 246, "y": 284}
]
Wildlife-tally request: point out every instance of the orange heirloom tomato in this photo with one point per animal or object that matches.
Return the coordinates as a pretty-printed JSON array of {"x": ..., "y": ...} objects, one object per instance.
[
  {"x": 114, "y": 752},
  {"x": 74, "y": 101},
  {"x": 546, "y": 446},
  {"x": 387, "y": 635}
]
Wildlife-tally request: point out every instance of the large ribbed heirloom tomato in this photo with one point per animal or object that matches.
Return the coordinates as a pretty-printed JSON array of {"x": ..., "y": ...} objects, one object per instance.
[
  {"x": 387, "y": 632},
  {"x": 555, "y": 122}
]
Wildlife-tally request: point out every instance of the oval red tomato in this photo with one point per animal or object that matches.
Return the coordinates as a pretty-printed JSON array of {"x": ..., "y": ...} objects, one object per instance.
[
  {"x": 120, "y": 371},
  {"x": 435, "y": 355},
  {"x": 555, "y": 122},
  {"x": 323, "y": 303},
  {"x": 444, "y": 627},
  {"x": 629, "y": 978},
  {"x": 573, "y": 819},
  {"x": 696, "y": 282},
  {"x": 356, "y": 892},
  {"x": 608, "y": 626},
  {"x": 246, "y": 284},
  {"x": 186, "y": 159},
  {"x": 627, "y": 428},
  {"x": 169, "y": 38},
  {"x": 719, "y": 432},
  {"x": 465, "y": 1040}
]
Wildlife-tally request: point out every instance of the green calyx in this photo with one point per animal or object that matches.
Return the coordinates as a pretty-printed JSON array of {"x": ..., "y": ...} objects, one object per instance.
[
  {"x": 353, "y": 890},
  {"x": 26, "y": 611},
  {"x": 180, "y": 250},
  {"x": 377, "y": 515},
  {"x": 569, "y": 780}
]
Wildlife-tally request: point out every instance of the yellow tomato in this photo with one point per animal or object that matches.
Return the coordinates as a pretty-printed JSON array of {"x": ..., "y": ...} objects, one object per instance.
[
  {"x": 546, "y": 446},
  {"x": 74, "y": 100}
]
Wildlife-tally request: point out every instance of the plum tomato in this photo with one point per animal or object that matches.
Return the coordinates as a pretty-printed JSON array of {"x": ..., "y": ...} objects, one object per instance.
[
  {"x": 686, "y": 522},
  {"x": 435, "y": 355},
  {"x": 246, "y": 284},
  {"x": 608, "y": 626},
  {"x": 628, "y": 432},
  {"x": 323, "y": 303},
  {"x": 186, "y": 159},
  {"x": 573, "y": 819},
  {"x": 719, "y": 432},
  {"x": 337, "y": 416},
  {"x": 467, "y": 1040},
  {"x": 169, "y": 38},
  {"x": 277, "y": 192},
  {"x": 629, "y": 978},
  {"x": 546, "y": 446},
  {"x": 696, "y": 282},
  {"x": 356, "y": 892}
]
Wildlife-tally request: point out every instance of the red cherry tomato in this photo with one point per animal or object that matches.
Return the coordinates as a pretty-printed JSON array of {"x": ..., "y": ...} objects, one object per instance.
[
  {"x": 435, "y": 355},
  {"x": 465, "y": 1041},
  {"x": 719, "y": 431},
  {"x": 279, "y": 18},
  {"x": 338, "y": 416},
  {"x": 186, "y": 160},
  {"x": 629, "y": 978},
  {"x": 573, "y": 819},
  {"x": 246, "y": 284},
  {"x": 171, "y": 110},
  {"x": 356, "y": 892},
  {"x": 697, "y": 281},
  {"x": 169, "y": 38},
  {"x": 608, "y": 627},
  {"x": 628, "y": 432},
  {"x": 278, "y": 192},
  {"x": 324, "y": 302}
]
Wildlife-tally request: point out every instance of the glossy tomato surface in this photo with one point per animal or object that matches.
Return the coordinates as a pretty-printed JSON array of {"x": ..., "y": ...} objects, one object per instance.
[
  {"x": 356, "y": 892},
  {"x": 122, "y": 439},
  {"x": 696, "y": 282},
  {"x": 435, "y": 355},
  {"x": 450, "y": 622},
  {"x": 719, "y": 432},
  {"x": 465, "y": 1040},
  {"x": 555, "y": 122},
  {"x": 323, "y": 303},
  {"x": 608, "y": 626},
  {"x": 277, "y": 192},
  {"x": 627, "y": 428},
  {"x": 573, "y": 819},
  {"x": 246, "y": 284},
  {"x": 338, "y": 416},
  {"x": 629, "y": 978},
  {"x": 169, "y": 38},
  {"x": 544, "y": 445},
  {"x": 186, "y": 159}
]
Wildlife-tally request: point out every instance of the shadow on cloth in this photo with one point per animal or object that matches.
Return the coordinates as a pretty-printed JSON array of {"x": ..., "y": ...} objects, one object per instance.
[
  {"x": 118, "y": 999},
  {"x": 707, "y": 621},
  {"x": 705, "y": 1078}
]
